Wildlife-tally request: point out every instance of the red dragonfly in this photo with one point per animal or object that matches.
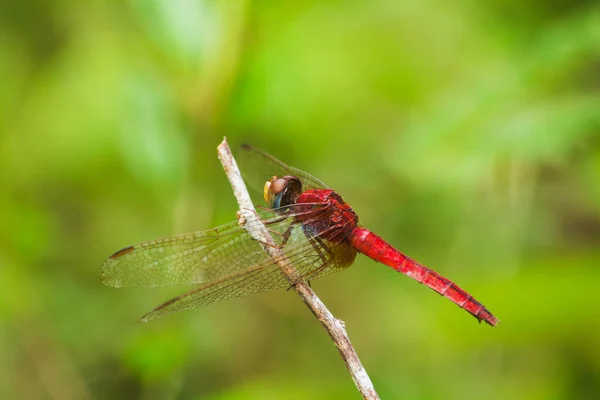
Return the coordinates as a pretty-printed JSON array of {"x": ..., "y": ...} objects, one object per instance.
[{"x": 315, "y": 228}]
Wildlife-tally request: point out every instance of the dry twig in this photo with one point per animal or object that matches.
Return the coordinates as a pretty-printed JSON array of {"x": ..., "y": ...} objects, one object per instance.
[{"x": 248, "y": 218}]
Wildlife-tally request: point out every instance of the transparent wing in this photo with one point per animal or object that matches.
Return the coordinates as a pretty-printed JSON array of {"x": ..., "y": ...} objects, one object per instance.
[
  {"x": 313, "y": 258},
  {"x": 258, "y": 167},
  {"x": 193, "y": 258}
]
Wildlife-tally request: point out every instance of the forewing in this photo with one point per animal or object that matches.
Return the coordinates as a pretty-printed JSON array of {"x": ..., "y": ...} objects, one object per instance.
[
  {"x": 313, "y": 259},
  {"x": 198, "y": 257},
  {"x": 258, "y": 167}
]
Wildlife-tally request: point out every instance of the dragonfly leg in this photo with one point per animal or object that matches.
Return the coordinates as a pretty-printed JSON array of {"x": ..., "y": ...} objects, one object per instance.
[
  {"x": 321, "y": 248},
  {"x": 285, "y": 237},
  {"x": 240, "y": 214},
  {"x": 294, "y": 284},
  {"x": 274, "y": 220}
]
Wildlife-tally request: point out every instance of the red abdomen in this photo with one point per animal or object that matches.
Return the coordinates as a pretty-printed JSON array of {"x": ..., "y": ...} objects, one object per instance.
[{"x": 371, "y": 245}]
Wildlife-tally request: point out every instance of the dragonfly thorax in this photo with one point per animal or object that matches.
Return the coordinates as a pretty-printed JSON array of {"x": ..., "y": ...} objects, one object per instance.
[{"x": 326, "y": 213}]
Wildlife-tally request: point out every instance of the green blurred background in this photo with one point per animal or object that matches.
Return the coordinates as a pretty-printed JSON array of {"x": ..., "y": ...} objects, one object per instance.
[{"x": 464, "y": 132}]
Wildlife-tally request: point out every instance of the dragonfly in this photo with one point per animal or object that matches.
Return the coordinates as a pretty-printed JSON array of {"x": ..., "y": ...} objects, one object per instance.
[{"x": 314, "y": 227}]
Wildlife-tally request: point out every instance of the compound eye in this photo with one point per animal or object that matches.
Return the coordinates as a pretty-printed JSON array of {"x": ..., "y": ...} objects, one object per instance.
[
  {"x": 278, "y": 186},
  {"x": 281, "y": 192},
  {"x": 273, "y": 187}
]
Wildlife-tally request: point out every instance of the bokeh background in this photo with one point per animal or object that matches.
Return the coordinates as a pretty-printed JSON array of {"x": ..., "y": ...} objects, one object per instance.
[{"x": 464, "y": 132}]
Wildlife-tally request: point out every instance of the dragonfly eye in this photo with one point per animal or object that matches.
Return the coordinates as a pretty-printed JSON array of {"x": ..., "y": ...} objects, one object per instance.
[{"x": 280, "y": 192}]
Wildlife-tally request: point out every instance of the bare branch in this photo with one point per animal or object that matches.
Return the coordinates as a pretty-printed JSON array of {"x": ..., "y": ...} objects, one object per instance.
[{"x": 248, "y": 218}]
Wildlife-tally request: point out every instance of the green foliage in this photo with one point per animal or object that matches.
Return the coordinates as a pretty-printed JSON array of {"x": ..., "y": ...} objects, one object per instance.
[{"x": 465, "y": 133}]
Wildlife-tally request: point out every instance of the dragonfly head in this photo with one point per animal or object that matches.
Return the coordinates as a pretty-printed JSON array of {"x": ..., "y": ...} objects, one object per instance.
[{"x": 281, "y": 192}]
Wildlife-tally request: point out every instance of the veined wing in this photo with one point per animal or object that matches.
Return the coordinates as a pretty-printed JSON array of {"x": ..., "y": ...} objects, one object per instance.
[
  {"x": 258, "y": 167},
  {"x": 198, "y": 257},
  {"x": 312, "y": 258}
]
